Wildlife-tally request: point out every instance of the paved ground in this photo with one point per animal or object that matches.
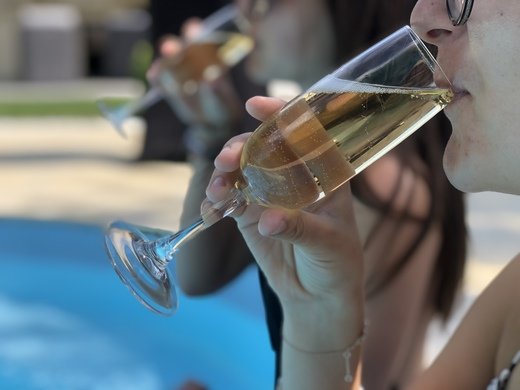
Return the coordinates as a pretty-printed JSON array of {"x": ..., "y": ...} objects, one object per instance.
[{"x": 81, "y": 170}]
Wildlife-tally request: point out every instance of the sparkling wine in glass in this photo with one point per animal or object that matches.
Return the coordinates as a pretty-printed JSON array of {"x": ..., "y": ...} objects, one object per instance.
[
  {"x": 314, "y": 144},
  {"x": 218, "y": 46}
]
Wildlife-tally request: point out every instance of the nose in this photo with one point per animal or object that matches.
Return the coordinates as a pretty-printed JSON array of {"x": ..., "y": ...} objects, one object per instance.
[{"x": 430, "y": 21}]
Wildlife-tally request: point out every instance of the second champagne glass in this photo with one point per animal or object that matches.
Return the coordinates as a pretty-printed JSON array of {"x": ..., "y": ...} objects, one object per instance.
[
  {"x": 313, "y": 145},
  {"x": 218, "y": 46}
]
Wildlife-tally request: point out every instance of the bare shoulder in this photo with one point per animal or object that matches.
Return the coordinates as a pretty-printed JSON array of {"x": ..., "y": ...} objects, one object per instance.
[
  {"x": 507, "y": 283},
  {"x": 506, "y": 288},
  {"x": 486, "y": 339},
  {"x": 499, "y": 300},
  {"x": 515, "y": 266}
]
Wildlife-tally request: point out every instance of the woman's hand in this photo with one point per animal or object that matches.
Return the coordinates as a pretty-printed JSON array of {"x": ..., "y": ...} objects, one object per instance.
[{"x": 312, "y": 258}]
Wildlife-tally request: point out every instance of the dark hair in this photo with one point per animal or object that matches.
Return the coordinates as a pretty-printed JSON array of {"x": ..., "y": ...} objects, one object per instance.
[{"x": 358, "y": 24}]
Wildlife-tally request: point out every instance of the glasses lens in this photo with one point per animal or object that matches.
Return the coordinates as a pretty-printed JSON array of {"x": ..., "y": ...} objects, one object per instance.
[{"x": 455, "y": 8}]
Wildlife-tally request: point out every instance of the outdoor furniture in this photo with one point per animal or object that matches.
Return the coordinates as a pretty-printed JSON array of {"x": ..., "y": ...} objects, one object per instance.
[{"x": 52, "y": 43}]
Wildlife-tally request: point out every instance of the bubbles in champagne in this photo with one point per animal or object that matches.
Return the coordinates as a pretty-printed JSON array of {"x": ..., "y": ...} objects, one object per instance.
[
  {"x": 323, "y": 138},
  {"x": 290, "y": 161},
  {"x": 332, "y": 84}
]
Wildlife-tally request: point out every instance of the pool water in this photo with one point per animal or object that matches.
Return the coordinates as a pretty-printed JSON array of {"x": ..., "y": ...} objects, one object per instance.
[{"x": 67, "y": 322}]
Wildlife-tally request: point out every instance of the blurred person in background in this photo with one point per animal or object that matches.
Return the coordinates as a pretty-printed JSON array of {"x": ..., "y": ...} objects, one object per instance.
[
  {"x": 165, "y": 131},
  {"x": 411, "y": 220}
]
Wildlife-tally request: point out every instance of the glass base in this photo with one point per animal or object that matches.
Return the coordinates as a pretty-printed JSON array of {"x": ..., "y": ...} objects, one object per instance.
[
  {"x": 116, "y": 116},
  {"x": 152, "y": 286}
]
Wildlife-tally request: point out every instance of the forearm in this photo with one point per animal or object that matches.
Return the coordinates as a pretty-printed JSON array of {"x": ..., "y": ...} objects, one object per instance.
[
  {"x": 202, "y": 170},
  {"x": 216, "y": 255}
]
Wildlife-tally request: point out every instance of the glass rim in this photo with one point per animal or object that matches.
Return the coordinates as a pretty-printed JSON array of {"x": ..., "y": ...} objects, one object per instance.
[
  {"x": 427, "y": 54},
  {"x": 413, "y": 42}
]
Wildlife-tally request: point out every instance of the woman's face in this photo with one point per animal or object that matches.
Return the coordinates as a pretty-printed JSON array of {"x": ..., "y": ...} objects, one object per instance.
[
  {"x": 482, "y": 60},
  {"x": 294, "y": 41}
]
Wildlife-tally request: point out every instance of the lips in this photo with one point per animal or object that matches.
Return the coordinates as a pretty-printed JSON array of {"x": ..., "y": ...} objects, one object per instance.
[
  {"x": 459, "y": 91},
  {"x": 459, "y": 96}
]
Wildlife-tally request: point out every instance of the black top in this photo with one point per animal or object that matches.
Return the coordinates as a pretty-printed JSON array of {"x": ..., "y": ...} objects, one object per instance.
[{"x": 274, "y": 319}]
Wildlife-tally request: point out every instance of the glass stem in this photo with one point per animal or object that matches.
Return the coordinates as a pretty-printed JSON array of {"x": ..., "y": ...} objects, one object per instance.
[
  {"x": 164, "y": 248},
  {"x": 216, "y": 20},
  {"x": 152, "y": 96},
  {"x": 117, "y": 116}
]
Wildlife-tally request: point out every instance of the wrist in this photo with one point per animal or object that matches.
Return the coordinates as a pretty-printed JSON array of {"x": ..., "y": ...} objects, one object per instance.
[
  {"x": 339, "y": 365},
  {"x": 324, "y": 326},
  {"x": 350, "y": 354}
]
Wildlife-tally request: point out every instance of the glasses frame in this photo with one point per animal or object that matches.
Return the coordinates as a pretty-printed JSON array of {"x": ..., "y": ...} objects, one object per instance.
[{"x": 463, "y": 16}]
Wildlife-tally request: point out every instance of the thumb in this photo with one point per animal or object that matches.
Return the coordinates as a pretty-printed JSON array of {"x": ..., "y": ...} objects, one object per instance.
[{"x": 307, "y": 230}]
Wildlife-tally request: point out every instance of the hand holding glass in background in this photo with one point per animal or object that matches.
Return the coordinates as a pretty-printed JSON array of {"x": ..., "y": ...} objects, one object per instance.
[
  {"x": 217, "y": 46},
  {"x": 317, "y": 142}
]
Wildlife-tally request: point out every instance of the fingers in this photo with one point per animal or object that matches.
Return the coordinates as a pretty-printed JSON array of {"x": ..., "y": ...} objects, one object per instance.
[
  {"x": 228, "y": 159},
  {"x": 227, "y": 165},
  {"x": 317, "y": 228},
  {"x": 170, "y": 46},
  {"x": 219, "y": 187},
  {"x": 261, "y": 107},
  {"x": 305, "y": 229}
]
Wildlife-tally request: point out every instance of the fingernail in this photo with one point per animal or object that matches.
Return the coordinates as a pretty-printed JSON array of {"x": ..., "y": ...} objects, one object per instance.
[
  {"x": 279, "y": 228},
  {"x": 228, "y": 145},
  {"x": 218, "y": 182}
]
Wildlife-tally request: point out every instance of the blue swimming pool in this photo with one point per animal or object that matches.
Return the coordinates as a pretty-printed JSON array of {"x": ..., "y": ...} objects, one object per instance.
[{"x": 66, "y": 322}]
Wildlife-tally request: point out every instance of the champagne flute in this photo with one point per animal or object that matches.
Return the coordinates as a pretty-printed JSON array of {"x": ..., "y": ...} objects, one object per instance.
[
  {"x": 314, "y": 144},
  {"x": 217, "y": 46}
]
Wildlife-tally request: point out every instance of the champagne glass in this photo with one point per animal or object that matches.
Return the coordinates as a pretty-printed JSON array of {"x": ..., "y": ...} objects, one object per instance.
[
  {"x": 313, "y": 145},
  {"x": 217, "y": 46}
]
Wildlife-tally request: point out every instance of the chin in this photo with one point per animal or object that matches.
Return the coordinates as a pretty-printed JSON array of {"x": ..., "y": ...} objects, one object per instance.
[
  {"x": 460, "y": 172},
  {"x": 472, "y": 176},
  {"x": 461, "y": 182}
]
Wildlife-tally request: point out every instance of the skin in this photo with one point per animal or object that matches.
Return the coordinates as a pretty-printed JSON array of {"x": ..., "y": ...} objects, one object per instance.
[
  {"x": 315, "y": 280},
  {"x": 303, "y": 35},
  {"x": 481, "y": 59}
]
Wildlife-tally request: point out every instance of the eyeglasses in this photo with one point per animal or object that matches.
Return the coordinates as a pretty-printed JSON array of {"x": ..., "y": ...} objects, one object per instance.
[{"x": 459, "y": 11}]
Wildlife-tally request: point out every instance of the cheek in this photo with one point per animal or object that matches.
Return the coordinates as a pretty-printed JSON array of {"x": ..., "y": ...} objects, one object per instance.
[
  {"x": 484, "y": 120},
  {"x": 496, "y": 50},
  {"x": 468, "y": 145}
]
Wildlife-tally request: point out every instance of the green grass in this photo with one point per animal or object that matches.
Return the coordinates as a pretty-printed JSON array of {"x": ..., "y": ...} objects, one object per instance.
[{"x": 52, "y": 108}]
